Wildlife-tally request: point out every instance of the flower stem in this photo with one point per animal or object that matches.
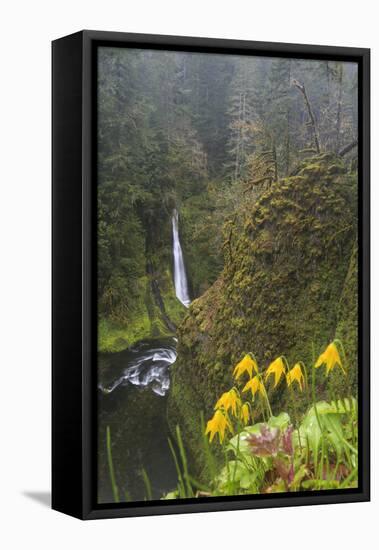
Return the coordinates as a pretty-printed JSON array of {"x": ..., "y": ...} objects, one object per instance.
[{"x": 110, "y": 465}]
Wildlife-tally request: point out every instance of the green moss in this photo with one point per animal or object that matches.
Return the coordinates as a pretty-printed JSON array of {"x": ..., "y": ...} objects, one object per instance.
[
  {"x": 336, "y": 169},
  {"x": 114, "y": 337},
  {"x": 347, "y": 328},
  {"x": 145, "y": 320},
  {"x": 279, "y": 291},
  {"x": 173, "y": 307},
  {"x": 200, "y": 237}
]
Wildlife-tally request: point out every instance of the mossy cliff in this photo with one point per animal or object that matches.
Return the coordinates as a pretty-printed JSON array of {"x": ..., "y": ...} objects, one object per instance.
[
  {"x": 155, "y": 314},
  {"x": 287, "y": 280}
]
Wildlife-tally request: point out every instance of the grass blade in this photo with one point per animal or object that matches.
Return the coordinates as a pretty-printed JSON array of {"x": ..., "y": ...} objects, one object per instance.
[
  {"x": 146, "y": 480},
  {"x": 110, "y": 465}
]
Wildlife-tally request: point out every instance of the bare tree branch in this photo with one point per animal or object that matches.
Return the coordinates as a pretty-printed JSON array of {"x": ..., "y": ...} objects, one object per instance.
[
  {"x": 312, "y": 119},
  {"x": 348, "y": 148}
]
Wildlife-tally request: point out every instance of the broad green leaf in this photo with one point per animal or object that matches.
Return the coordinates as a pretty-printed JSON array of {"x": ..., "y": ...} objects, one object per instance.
[{"x": 281, "y": 421}]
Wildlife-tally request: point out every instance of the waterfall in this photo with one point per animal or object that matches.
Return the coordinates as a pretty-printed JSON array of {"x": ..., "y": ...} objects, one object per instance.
[
  {"x": 180, "y": 277},
  {"x": 147, "y": 366}
]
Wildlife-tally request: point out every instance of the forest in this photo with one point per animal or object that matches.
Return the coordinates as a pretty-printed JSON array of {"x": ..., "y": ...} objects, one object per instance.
[{"x": 227, "y": 274}]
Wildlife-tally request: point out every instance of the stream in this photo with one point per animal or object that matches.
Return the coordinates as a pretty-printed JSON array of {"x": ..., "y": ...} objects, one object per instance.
[{"x": 132, "y": 401}]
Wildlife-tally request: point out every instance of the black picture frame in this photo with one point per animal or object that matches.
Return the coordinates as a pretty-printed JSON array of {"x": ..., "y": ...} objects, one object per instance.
[{"x": 74, "y": 273}]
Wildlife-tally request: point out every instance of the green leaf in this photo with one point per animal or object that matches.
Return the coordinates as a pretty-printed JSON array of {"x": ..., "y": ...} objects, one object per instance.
[
  {"x": 330, "y": 416},
  {"x": 282, "y": 421},
  {"x": 244, "y": 477},
  {"x": 300, "y": 474}
]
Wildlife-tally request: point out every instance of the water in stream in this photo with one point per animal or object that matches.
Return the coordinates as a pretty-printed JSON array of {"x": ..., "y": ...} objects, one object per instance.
[{"x": 132, "y": 401}]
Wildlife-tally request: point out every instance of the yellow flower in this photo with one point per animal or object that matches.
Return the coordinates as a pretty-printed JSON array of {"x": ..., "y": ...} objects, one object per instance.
[
  {"x": 296, "y": 375},
  {"x": 218, "y": 424},
  {"x": 276, "y": 368},
  {"x": 330, "y": 357},
  {"x": 245, "y": 414},
  {"x": 246, "y": 365},
  {"x": 229, "y": 400},
  {"x": 255, "y": 385}
]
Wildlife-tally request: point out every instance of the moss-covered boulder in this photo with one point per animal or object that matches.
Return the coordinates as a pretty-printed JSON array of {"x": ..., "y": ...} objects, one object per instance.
[
  {"x": 347, "y": 325},
  {"x": 287, "y": 259}
]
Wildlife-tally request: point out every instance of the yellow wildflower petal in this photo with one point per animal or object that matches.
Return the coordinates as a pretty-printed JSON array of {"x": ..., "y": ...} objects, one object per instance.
[
  {"x": 296, "y": 375},
  {"x": 330, "y": 357},
  {"x": 254, "y": 385},
  {"x": 320, "y": 361},
  {"x": 210, "y": 429},
  {"x": 251, "y": 385},
  {"x": 278, "y": 369},
  {"x": 245, "y": 414},
  {"x": 223, "y": 401},
  {"x": 247, "y": 364},
  {"x": 218, "y": 424},
  {"x": 234, "y": 401},
  {"x": 229, "y": 400}
]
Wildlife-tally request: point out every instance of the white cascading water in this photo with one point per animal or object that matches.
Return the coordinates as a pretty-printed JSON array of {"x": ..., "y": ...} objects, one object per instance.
[
  {"x": 149, "y": 365},
  {"x": 149, "y": 368},
  {"x": 180, "y": 277}
]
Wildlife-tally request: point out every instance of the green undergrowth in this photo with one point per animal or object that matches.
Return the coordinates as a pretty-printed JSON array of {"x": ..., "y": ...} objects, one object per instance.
[{"x": 114, "y": 337}]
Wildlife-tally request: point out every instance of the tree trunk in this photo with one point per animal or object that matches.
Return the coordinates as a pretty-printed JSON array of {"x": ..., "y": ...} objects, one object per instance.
[{"x": 312, "y": 119}]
